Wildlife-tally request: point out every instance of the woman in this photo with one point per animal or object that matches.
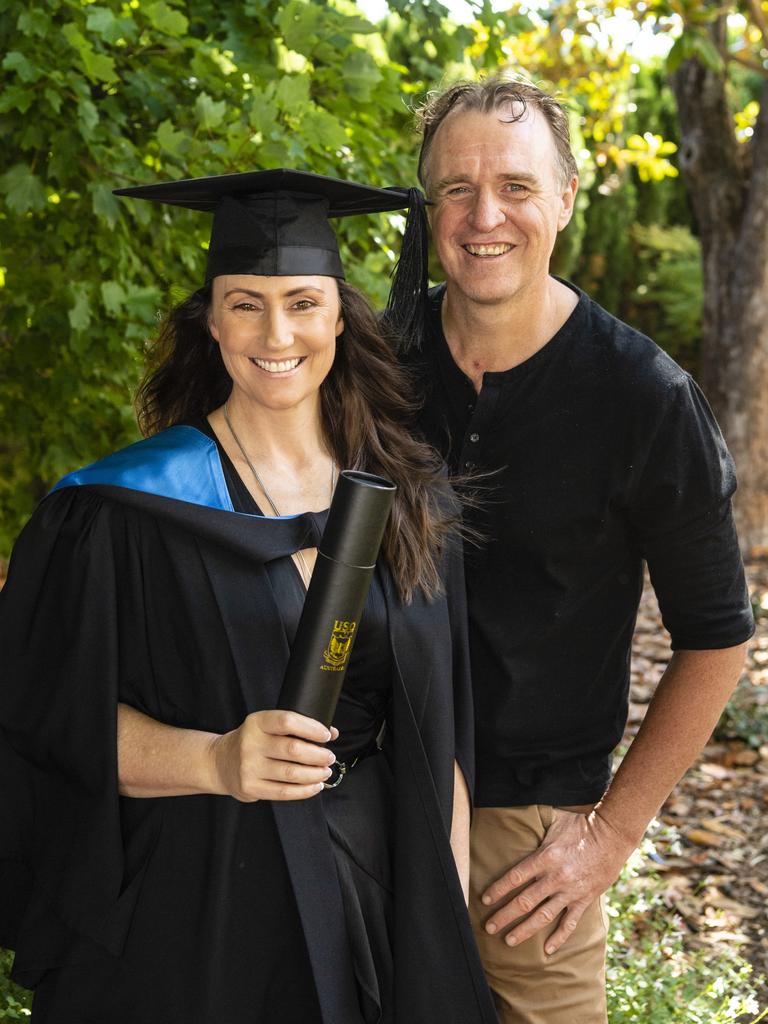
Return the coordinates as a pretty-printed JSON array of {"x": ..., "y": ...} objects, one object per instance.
[{"x": 173, "y": 853}]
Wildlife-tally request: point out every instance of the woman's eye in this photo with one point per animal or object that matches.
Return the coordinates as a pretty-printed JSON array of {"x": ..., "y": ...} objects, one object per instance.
[
  {"x": 245, "y": 307},
  {"x": 304, "y": 304}
]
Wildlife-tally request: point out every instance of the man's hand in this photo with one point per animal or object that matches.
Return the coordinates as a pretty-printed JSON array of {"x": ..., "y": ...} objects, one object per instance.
[{"x": 579, "y": 858}]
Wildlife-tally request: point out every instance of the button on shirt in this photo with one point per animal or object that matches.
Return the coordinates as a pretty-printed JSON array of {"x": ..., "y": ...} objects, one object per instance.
[{"x": 595, "y": 453}]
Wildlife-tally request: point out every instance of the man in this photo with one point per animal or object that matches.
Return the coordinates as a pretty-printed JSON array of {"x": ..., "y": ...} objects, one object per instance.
[{"x": 596, "y": 451}]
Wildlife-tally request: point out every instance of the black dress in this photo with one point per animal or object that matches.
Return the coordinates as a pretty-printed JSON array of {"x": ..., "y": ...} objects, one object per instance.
[
  {"x": 200, "y": 909},
  {"x": 359, "y": 808}
]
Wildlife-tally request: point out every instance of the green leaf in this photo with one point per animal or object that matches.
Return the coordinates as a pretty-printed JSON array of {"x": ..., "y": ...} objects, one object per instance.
[
  {"x": 170, "y": 141},
  {"x": 104, "y": 23},
  {"x": 88, "y": 117},
  {"x": 299, "y": 23},
  {"x": 16, "y": 61},
  {"x": 704, "y": 48},
  {"x": 104, "y": 204},
  {"x": 143, "y": 303},
  {"x": 34, "y": 23},
  {"x": 55, "y": 99},
  {"x": 98, "y": 67},
  {"x": 677, "y": 54},
  {"x": 16, "y": 97},
  {"x": 23, "y": 190},
  {"x": 210, "y": 113},
  {"x": 74, "y": 37},
  {"x": 165, "y": 19},
  {"x": 263, "y": 112},
  {"x": 360, "y": 75},
  {"x": 293, "y": 93},
  {"x": 113, "y": 296},
  {"x": 323, "y": 131},
  {"x": 80, "y": 313}
]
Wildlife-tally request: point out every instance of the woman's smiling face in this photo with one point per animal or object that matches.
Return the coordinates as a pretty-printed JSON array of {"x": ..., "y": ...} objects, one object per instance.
[{"x": 277, "y": 335}]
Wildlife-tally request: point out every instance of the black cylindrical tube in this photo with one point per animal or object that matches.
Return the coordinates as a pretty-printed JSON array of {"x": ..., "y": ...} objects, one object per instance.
[{"x": 336, "y": 595}]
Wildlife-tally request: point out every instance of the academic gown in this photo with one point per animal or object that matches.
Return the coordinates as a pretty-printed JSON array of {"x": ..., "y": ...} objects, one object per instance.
[{"x": 136, "y": 581}]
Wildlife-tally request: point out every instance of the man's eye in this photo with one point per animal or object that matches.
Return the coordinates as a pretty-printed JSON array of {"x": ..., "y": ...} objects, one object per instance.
[{"x": 457, "y": 190}]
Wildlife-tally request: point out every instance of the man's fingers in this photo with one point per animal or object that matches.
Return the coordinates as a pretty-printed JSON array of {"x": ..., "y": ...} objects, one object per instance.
[
  {"x": 564, "y": 930},
  {"x": 512, "y": 879},
  {"x": 524, "y": 903},
  {"x": 545, "y": 917}
]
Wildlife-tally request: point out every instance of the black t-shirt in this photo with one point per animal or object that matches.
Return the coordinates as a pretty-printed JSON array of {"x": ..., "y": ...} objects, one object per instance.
[{"x": 597, "y": 452}]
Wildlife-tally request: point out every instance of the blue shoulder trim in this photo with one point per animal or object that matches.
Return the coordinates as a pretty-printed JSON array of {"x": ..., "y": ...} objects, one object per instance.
[{"x": 180, "y": 463}]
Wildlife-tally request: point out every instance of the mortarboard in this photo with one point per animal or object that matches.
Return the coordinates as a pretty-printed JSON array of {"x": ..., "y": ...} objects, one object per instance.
[{"x": 276, "y": 223}]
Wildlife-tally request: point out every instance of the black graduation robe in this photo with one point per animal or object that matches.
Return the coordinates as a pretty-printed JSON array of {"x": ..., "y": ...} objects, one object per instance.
[{"x": 135, "y": 581}]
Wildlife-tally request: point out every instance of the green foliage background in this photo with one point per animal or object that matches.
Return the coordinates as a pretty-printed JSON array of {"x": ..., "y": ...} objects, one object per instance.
[{"x": 100, "y": 95}]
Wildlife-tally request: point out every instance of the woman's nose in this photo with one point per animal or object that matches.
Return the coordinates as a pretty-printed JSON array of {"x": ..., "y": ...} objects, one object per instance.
[{"x": 278, "y": 334}]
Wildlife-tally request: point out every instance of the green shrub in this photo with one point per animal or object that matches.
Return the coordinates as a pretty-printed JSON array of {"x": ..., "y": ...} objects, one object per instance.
[
  {"x": 15, "y": 1002},
  {"x": 654, "y": 978}
]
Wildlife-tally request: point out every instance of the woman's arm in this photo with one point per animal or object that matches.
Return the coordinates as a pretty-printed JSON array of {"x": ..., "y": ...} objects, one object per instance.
[
  {"x": 272, "y": 755},
  {"x": 460, "y": 828}
]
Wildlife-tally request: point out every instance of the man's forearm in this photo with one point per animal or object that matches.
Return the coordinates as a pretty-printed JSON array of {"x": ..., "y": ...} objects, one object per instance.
[
  {"x": 582, "y": 855},
  {"x": 678, "y": 723}
]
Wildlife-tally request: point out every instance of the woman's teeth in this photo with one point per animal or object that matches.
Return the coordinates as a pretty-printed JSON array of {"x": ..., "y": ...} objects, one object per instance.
[{"x": 272, "y": 366}]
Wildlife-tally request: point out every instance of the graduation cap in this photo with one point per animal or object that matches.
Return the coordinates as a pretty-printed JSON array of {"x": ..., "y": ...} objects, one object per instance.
[{"x": 275, "y": 223}]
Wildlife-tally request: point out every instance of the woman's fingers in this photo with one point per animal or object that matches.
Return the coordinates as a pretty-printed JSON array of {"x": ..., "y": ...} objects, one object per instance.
[
  {"x": 273, "y": 755},
  {"x": 296, "y": 774},
  {"x": 288, "y": 748},
  {"x": 285, "y": 791},
  {"x": 291, "y": 723}
]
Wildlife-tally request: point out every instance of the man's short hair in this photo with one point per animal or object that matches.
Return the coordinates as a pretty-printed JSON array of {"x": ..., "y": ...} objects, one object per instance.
[{"x": 490, "y": 94}]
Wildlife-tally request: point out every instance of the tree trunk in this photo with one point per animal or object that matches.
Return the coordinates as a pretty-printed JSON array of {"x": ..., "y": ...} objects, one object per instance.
[{"x": 728, "y": 186}]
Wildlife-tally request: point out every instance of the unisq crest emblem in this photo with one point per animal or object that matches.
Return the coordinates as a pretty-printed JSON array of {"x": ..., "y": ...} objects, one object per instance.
[{"x": 337, "y": 650}]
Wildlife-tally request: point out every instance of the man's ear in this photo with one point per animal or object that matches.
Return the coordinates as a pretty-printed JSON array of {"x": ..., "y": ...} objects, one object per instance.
[{"x": 568, "y": 199}]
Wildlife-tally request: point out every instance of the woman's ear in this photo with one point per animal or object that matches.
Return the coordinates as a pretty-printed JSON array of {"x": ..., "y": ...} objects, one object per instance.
[
  {"x": 212, "y": 328},
  {"x": 339, "y": 326}
]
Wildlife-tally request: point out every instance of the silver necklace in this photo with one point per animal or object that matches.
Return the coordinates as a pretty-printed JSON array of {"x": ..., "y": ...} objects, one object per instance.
[{"x": 303, "y": 567}]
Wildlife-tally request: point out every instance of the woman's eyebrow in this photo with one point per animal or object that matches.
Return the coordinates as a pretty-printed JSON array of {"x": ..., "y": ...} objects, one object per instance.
[{"x": 260, "y": 295}]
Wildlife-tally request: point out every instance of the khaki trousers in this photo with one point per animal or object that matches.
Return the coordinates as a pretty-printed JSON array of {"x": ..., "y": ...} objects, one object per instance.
[{"x": 528, "y": 986}]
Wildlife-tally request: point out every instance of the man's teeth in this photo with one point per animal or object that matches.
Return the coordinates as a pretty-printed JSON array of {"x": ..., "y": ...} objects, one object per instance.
[
  {"x": 488, "y": 250},
  {"x": 271, "y": 366}
]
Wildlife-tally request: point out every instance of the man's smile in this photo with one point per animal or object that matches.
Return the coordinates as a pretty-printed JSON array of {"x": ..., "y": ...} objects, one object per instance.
[{"x": 489, "y": 249}]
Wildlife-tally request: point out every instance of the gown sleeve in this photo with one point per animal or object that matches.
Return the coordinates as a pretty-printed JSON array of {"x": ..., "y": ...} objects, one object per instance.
[{"x": 70, "y": 634}]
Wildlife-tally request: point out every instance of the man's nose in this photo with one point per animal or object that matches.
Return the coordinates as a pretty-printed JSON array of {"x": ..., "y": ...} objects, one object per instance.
[{"x": 487, "y": 211}]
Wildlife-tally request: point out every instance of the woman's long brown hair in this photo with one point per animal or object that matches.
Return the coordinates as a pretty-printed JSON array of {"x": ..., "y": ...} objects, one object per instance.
[{"x": 368, "y": 413}]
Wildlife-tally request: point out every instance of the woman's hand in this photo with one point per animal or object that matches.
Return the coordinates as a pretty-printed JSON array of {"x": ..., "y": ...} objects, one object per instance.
[{"x": 273, "y": 755}]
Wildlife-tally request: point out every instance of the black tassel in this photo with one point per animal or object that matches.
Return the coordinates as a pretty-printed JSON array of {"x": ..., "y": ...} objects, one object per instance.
[{"x": 407, "y": 307}]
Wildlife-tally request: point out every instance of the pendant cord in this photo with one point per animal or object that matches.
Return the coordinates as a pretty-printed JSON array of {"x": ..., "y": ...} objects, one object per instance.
[{"x": 303, "y": 567}]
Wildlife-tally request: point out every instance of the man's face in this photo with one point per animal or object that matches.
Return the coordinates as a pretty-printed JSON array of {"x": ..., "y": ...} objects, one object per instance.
[{"x": 499, "y": 203}]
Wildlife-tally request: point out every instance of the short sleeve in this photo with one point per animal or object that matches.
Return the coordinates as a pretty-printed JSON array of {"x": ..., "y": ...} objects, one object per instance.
[{"x": 681, "y": 521}]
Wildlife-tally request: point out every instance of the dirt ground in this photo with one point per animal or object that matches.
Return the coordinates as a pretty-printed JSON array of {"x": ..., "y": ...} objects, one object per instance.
[{"x": 716, "y": 876}]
